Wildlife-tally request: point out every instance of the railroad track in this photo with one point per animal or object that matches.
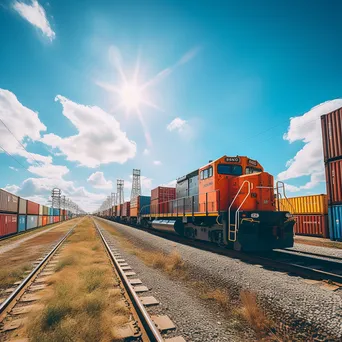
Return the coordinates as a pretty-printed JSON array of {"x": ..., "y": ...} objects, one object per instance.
[
  {"x": 153, "y": 326},
  {"x": 24, "y": 293},
  {"x": 313, "y": 268},
  {"x": 317, "y": 255}
]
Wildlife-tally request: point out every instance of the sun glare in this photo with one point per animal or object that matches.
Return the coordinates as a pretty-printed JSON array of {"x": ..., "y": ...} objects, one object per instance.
[{"x": 131, "y": 96}]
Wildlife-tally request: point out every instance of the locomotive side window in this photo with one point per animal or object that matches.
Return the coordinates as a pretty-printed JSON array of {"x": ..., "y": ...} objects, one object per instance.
[
  {"x": 250, "y": 170},
  {"x": 226, "y": 169},
  {"x": 207, "y": 173}
]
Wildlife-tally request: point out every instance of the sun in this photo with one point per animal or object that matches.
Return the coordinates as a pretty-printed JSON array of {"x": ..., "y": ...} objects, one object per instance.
[{"x": 131, "y": 96}]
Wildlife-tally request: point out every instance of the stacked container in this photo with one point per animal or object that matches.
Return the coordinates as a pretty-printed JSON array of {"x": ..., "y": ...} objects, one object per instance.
[
  {"x": 8, "y": 202},
  {"x": 332, "y": 149},
  {"x": 140, "y": 206},
  {"x": 32, "y": 220},
  {"x": 310, "y": 213},
  {"x": 160, "y": 198},
  {"x": 22, "y": 215},
  {"x": 126, "y": 209}
]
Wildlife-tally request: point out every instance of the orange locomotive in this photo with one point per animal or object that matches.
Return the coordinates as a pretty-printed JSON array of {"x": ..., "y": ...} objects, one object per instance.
[{"x": 229, "y": 201}]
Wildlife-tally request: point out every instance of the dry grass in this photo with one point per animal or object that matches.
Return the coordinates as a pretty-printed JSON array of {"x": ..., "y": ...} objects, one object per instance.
[
  {"x": 84, "y": 300},
  {"x": 319, "y": 242},
  {"x": 15, "y": 262},
  {"x": 218, "y": 296}
]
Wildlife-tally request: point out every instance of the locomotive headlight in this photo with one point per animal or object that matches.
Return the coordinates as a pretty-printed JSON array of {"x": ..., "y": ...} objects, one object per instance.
[
  {"x": 254, "y": 215},
  {"x": 288, "y": 215}
]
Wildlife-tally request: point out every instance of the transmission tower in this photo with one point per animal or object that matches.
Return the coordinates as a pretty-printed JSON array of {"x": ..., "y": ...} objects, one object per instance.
[
  {"x": 113, "y": 198},
  {"x": 136, "y": 184},
  {"x": 120, "y": 191},
  {"x": 56, "y": 198}
]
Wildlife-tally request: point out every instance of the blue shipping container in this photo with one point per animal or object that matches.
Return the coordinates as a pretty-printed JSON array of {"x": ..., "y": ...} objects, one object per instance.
[
  {"x": 55, "y": 212},
  {"x": 32, "y": 221},
  {"x": 50, "y": 212},
  {"x": 335, "y": 222},
  {"x": 22, "y": 223},
  {"x": 145, "y": 202}
]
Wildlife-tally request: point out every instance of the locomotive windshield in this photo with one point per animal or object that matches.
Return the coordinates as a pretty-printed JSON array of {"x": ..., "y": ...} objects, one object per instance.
[{"x": 229, "y": 169}]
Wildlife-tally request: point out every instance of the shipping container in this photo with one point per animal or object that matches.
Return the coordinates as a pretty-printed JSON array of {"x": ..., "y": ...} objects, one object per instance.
[
  {"x": 8, "y": 224},
  {"x": 332, "y": 134},
  {"x": 140, "y": 206},
  {"x": 32, "y": 221},
  {"x": 160, "y": 208},
  {"x": 313, "y": 225},
  {"x": 21, "y": 223},
  {"x": 55, "y": 219},
  {"x": 22, "y": 206},
  {"x": 45, "y": 221},
  {"x": 41, "y": 210},
  {"x": 120, "y": 209},
  {"x": 314, "y": 204},
  {"x": 50, "y": 212},
  {"x": 51, "y": 219},
  {"x": 8, "y": 202},
  {"x": 55, "y": 212},
  {"x": 32, "y": 208},
  {"x": 335, "y": 222},
  {"x": 126, "y": 209},
  {"x": 45, "y": 210},
  {"x": 163, "y": 194},
  {"x": 333, "y": 173},
  {"x": 40, "y": 221}
]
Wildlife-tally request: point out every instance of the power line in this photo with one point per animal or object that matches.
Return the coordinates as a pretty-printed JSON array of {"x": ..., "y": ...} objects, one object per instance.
[
  {"x": 9, "y": 154},
  {"x": 20, "y": 142}
]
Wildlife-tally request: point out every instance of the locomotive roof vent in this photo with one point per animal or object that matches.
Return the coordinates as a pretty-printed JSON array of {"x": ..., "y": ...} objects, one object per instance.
[{"x": 210, "y": 161}]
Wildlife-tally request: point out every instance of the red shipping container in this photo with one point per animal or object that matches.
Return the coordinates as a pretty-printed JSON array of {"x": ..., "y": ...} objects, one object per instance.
[
  {"x": 8, "y": 202},
  {"x": 126, "y": 209},
  {"x": 159, "y": 208},
  {"x": 332, "y": 134},
  {"x": 120, "y": 209},
  {"x": 44, "y": 221},
  {"x": 313, "y": 225},
  {"x": 32, "y": 208},
  {"x": 8, "y": 224},
  {"x": 163, "y": 194},
  {"x": 56, "y": 219},
  {"x": 333, "y": 173}
]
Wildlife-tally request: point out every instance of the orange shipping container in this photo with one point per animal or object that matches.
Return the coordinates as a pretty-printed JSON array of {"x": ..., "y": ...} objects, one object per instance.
[{"x": 45, "y": 220}]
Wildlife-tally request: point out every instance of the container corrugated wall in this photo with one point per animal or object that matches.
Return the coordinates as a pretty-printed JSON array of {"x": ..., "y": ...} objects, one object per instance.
[
  {"x": 22, "y": 206},
  {"x": 55, "y": 219},
  {"x": 44, "y": 221},
  {"x": 8, "y": 224},
  {"x": 32, "y": 208},
  {"x": 335, "y": 222},
  {"x": 8, "y": 202},
  {"x": 50, "y": 212},
  {"x": 333, "y": 173},
  {"x": 55, "y": 212},
  {"x": 315, "y": 204},
  {"x": 45, "y": 210},
  {"x": 21, "y": 223},
  {"x": 332, "y": 134},
  {"x": 41, "y": 210},
  {"x": 313, "y": 225},
  {"x": 40, "y": 221},
  {"x": 125, "y": 209},
  {"x": 51, "y": 219},
  {"x": 32, "y": 221}
]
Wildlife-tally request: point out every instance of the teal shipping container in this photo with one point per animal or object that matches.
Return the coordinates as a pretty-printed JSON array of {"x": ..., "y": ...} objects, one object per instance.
[
  {"x": 32, "y": 221},
  {"x": 21, "y": 223},
  {"x": 335, "y": 222},
  {"x": 50, "y": 212},
  {"x": 55, "y": 212}
]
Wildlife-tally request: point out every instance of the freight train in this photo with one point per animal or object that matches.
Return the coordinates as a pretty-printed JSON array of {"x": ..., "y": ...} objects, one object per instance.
[{"x": 230, "y": 201}]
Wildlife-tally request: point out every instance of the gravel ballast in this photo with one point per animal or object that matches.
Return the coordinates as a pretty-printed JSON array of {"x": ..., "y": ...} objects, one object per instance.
[
  {"x": 194, "y": 319},
  {"x": 306, "y": 308}
]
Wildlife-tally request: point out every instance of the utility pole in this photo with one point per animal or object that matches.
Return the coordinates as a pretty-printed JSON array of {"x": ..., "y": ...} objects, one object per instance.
[
  {"x": 56, "y": 198},
  {"x": 120, "y": 191}
]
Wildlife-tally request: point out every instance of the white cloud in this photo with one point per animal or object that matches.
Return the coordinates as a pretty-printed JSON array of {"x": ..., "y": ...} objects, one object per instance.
[
  {"x": 308, "y": 161},
  {"x": 146, "y": 152},
  {"x": 13, "y": 189},
  {"x": 100, "y": 139},
  {"x": 13, "y": 168},
  {"x": 97, "y": 180},
  {"x": 49, "y": 170},
  {"x": 176, "y": 124},
  {"x": 170, "y": 184},
  {"x": 35, "y": 14},
  {"x": 157, "y": 162}
]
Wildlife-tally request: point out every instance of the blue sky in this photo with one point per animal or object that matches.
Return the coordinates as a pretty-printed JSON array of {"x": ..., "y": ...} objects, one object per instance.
[{"x": 221, "y": 77}]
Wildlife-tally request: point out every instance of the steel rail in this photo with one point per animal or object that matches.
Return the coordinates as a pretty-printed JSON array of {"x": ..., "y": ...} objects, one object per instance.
[
  {"x": 304, "y": 271},
  {"x": 34, "y": 272},
  {"x": 304, "y": 253},
  {"x": 151, "y": 330}
]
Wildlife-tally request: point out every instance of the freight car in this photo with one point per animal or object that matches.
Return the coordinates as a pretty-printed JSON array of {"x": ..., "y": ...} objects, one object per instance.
[{"x": 229, "y": 201}]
